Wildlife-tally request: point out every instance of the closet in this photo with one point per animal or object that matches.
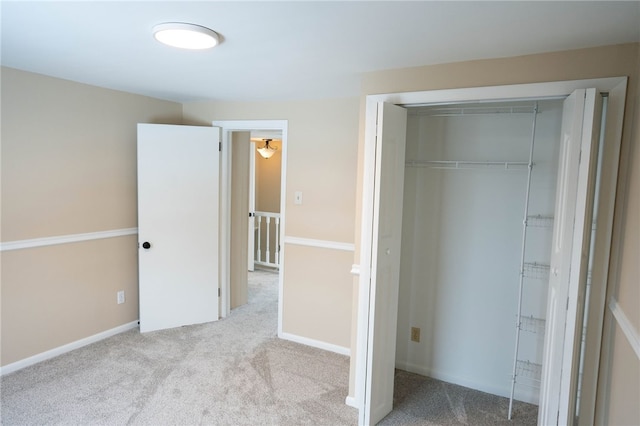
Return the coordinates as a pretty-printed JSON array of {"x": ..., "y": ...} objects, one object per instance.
[{"x": 479, "y": 197}]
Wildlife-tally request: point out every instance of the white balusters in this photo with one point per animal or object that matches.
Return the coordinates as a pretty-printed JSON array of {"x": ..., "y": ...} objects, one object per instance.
[
  {"x": 268, "y": 257},
  {"x": 271, "y": 248},
  {"x": 259, "y": 245}
]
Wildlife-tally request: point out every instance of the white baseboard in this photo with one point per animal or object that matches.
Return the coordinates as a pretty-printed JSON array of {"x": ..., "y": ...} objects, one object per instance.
[
  {"x": 525, "y": 394},
  {"x": 315, "y": 343},
  {"x": 351, "y": 402},
  {"x": 32, "y": 360}
]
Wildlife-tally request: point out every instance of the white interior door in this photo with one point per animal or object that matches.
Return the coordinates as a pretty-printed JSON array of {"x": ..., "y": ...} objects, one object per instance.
[
  {"x": 252, "y": 208},
  {"x": 385, "y": 262},
  {"x": 569, "y": 256},
  {"x": 178, "y": 201}
]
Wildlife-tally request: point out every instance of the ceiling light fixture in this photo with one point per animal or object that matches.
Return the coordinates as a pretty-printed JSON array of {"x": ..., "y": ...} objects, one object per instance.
[
  {"x": 267, "y": 151},
  {"x": 185, "y": 36}
]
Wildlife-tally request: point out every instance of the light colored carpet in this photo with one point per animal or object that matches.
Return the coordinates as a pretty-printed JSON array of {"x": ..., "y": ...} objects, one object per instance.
[
  {"x": 231, "y": 372},
  {"x": 420, "y": 400}
]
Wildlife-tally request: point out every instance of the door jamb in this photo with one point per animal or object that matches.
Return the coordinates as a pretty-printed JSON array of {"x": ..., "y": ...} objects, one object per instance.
[
  {"x": 613, "y": 136},
  {"x": 226, "y": 127},
  {"x": 252, "y": 207}
]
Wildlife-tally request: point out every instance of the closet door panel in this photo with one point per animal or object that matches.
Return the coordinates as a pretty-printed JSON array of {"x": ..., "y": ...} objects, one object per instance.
[
  {"x": 569, "y": 255},
  {"x": 385, "y": 262}
]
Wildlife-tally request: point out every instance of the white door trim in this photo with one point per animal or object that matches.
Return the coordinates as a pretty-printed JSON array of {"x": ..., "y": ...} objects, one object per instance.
[
  {"x": 66, "y": 239},
  {"x": 614, "y": 86},
  {"x": 228, "y": 126}
]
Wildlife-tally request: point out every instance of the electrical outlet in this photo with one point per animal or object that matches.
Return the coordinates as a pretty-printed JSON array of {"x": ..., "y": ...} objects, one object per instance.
[
  {"x": 415, "y": 334},
  {"x": 120, "y": 296}
]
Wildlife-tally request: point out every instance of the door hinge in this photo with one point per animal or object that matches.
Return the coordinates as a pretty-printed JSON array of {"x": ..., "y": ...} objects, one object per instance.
[
  {"x": 219, "y": 292},
  {"x": 567, "y": 307},
  {"x": 220, "y": 146}
]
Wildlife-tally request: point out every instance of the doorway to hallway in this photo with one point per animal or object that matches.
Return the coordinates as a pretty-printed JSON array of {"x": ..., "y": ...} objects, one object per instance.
[{"x": 231, "y": 132}]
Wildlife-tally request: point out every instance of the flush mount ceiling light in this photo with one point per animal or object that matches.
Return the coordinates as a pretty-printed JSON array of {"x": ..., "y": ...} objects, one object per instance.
[
  {"x": 267, "y": 151},
  {"x": 185, "y": 36}
]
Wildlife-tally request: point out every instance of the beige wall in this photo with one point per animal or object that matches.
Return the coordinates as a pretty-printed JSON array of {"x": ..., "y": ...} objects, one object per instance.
[
  {"x": 608, "y": 61},
  {"x": 68, "y": 167},
  {"x": 317, "y": 294},
  {"x": 59, "y": 294},
  {"x": 622, "y": 397},
  {"x": 321, "y": 155}
]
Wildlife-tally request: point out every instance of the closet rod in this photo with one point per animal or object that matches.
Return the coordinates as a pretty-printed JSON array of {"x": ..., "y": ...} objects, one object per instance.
[
  {"x": 506, "y": 165},
  {"x": 474, "y": 110},
  {"x": 486, "y": 102}
]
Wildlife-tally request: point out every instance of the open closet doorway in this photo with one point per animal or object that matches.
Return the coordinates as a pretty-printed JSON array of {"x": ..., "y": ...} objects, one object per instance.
[
  {"x": 474, "y": 174},
  {"x": 250, "y": 182},
  {"x": 381, "y": 235}
]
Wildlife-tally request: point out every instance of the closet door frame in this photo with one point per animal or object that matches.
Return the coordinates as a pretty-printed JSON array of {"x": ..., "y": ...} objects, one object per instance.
[{"x": 616, "y": 89}]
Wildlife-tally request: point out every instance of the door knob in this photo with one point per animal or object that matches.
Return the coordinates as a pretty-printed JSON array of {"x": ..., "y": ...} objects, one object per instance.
[{"x": 146, "y": 245}]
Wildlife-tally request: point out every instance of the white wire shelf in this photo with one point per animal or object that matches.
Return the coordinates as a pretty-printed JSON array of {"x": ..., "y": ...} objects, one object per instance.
[
  {"x": 540, "y": 221},
  {"x": 543, "y": 221},
  {"x": 528, "y": 370},
  {"x": 532, "y": 324},
  {"x": 485, "y": 165},
  {"x": 535, "y": 270}
]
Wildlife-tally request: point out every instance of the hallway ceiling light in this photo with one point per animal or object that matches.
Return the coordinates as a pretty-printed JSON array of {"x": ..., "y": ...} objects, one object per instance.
[
  {"x": 185, "y": 36},
  {"x": 267, "y": 151}
]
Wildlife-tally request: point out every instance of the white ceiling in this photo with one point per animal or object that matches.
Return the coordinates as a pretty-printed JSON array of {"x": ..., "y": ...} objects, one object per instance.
[{"x": 274, "y": 50}]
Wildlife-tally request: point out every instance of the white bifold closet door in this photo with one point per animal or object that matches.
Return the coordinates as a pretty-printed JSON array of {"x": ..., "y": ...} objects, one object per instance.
[
  {"x": 569, "y": 255},
  {"x": 385, "y": 262},
  {"x": 178, "y": 207}
]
